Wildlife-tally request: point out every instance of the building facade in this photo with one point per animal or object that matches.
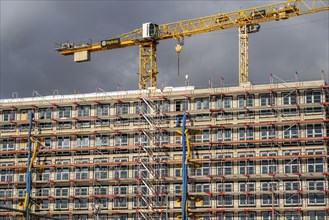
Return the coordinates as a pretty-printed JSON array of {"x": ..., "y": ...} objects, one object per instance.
[{"x": 257, "y": 152}]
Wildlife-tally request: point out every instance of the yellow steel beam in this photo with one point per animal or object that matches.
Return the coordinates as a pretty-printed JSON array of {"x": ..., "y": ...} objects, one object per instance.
[
  {"x": 147, "y": 65},
  {"x": 233, "y": 19}
]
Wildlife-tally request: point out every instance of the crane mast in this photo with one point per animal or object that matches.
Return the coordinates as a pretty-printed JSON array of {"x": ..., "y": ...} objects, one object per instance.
[{"x": 245, "y": 20}]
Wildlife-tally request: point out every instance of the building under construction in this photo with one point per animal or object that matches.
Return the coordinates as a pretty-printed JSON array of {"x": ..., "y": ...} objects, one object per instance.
[
  {"x": 253, "y": 152},
  {"x": 247, "y": 152}
]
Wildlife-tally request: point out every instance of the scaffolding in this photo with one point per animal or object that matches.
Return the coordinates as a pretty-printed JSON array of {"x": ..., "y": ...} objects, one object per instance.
[{"x": 258, "y": 151}]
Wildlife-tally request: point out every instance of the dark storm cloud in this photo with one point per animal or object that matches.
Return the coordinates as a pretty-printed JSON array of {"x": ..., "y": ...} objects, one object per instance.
[{"x": 29, "y": 29}]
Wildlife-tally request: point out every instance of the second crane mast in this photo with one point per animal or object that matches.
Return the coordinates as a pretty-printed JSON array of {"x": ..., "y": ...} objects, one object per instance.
[{"x": 246, "y": 20}]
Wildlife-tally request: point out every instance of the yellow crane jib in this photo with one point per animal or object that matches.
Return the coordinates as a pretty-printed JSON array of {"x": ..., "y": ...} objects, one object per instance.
[{"x": 246, "y": 20}]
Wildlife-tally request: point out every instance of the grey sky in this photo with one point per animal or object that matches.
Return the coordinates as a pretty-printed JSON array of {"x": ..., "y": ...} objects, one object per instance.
[{"x": 29, "y": 29}]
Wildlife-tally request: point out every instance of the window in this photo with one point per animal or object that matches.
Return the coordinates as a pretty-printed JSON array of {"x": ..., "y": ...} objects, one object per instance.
[
  {"x": 102, "y": 110},
  {"x": 139, "y": 201},
  {"x": 121, "y": 108},
  {"x": 292, "y": 197},
  {"x": 140, "y": 170},
  {"x": 247, "y": 166},
  {"x": 140, "y": 108},
  {"x": 43, "y": 192},
  {"x": 64, "y": 124},
  {"x": 81, "y": 173},
  {"x": 267, "y": 99},
  {"x": 8, "y": 144},
  {"x": 247, "y": 187},
  {"x": 101, "y": 171},
  {"x": 225, "y": 198},
  {"x": 247, "y": 215},
  {"x": 289, "y": 111},
  {"x": 47, "y": 142},
  {"x": 162, "y": 168},
  {"x": 120, "y": 202},
  {"x": 6, "y": 192},
  {"x": 246, "y": 114},
  {"x": 81, "y": 191},
  {"x": 101, "y": 202},
  {"x": 120, "y": 139},
  {"x": 289, "y": 98},
  {"x": 290, "y": 131},
  {"x": 269, "y": 198},
  {"x": 246, "y": 198},
  {"x": 313, "y": 130},
  {"x": 266, "y": 112},
  {"x": 82, "y": 141},
  {"x": 62, "y": 191},
  {"x": 203, "y": 136},
  {"x": 120, "y": 217},
  {"x": 224, "y": 115},
  {"x": 225, "y": 216},
  {"x": 268, "y": 132},
  {"x": 224, "y": 102},
  {"x": 61, "y": 216},
  {"x": 270, "y": 216},
  {"x": 83, "y": 110},
  {"x": 205, "y": 188},
  {"x": 161, "y": 137},
  {"x": 121, "y": 171},
  {"x": 292, "y": 216},
  {"x": 63, "y": 142},
  {"x": 313, "y": 110},
  {"x": 80, "y": 203},
  {"x": 224, "y": 167},
  {"x": 61, "y": 204},
  {"x": 83, "y": 123},
  {"x": 101, "y": 140},
  {"x": 177, "y": 188},
  {"x": 291, "y": 165},
  {"x": 8, "y": 127},
  {"x": 316, "y": 198},
  {"x": 315, "y": 164},
  {"x": 181, "y": 105},
  {"x": 62, "y": 173},
  {"x": 161, "y": 106},
  {"x": 20, "y": 192},
  {"x": 101, "y": 190},
  {"x": 204, "y": 170},
  {"x": 246, "y": 133},
  {"x": 9, "y": 115},
  {"x": 140, "y": 139},
  {"x": 316, "y": 215},
  {"x": 45, "y": 113},
  {"x": 6, "y": 175},
  {"x": 246, "y": 100},
  {"x": 64, "y": 112},
  {"x": 79, "y": 217},
  {"x": 45, "y": 204},
  {"x": 201, "y": 103},
  {"x": 224, "y": 134},
  {"x": 312, "y": 97},
  {"x": 44, "y": 174},
  {"x": 6, "y": 203},
  {"x": 102, "y": 123},
  {"x": 269, "y": 165},
  {"x": 121, "y": 121}
]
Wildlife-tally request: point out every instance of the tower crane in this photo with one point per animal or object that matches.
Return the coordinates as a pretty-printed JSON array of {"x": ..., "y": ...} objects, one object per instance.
[{"x": 148, "y": 36}]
